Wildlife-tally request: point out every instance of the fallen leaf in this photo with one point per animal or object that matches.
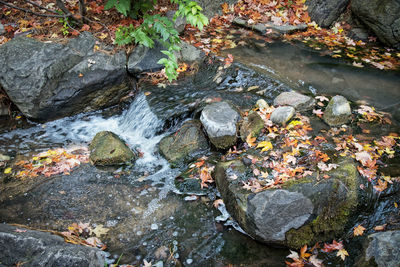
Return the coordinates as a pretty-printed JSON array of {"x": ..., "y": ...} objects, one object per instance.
[
  {"x": 99, "y": 230},
  {"x": 266, "y": 145},
  {"x": 342, "y": 253},
  {"x": 315, "y": 261},
  {"x": 20, "y": 230},
  {"x": 7, "y": 171},
  {"x": 358, "y": 230},
  {"x": 218, "y": 202}
]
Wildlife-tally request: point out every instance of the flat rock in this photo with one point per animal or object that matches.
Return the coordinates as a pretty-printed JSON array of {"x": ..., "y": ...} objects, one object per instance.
[
  {"x": 299, "y": 101},
  {"x": 263, "y": 27},
  {"x": 281, "y": 115},
  {"x": 37, "y": 249},
  {"x": 50, "y": 80},
  {"x": 337, "y": 112},
  {"x": 219, "y": 120}
]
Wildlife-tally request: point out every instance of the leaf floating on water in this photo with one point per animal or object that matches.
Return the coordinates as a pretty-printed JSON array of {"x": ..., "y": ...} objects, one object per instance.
[
  {"x": 100, "y": 230},
  {"x": 358, "y": 230},
  {"x": 342, "y": 254}
]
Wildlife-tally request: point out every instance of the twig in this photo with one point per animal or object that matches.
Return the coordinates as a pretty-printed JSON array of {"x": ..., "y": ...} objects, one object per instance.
[
  {"x": 41, "y": 7},
  {"x": 33, "y": 12},
  {"x": 64, "y": 9}
]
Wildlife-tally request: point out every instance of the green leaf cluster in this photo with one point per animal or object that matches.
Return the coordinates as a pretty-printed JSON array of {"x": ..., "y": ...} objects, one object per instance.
[{"x": 157, "y": 27}]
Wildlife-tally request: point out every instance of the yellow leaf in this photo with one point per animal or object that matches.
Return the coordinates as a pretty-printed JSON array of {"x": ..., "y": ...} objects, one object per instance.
[
  {"x": 100, "y": 230},
  {"x": 358, "y": 230},
  {"x": 293, "y": 124},
  {"x": 266, "y": 145},
  {"x": 7, "y": 171},
  {"x": 103, "y": 35},
  {"x": 250, "y": 140},
  {"x": 342, "y": 254}
]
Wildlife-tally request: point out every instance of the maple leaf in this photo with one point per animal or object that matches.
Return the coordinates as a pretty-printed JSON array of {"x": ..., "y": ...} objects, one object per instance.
[
  {"x": 342, "y": 253},
  {"x": 250, "y": 140},
  {"x": 293, "y": 255},
  {"x": 334, "y": 246},
  {"x": 303, "y": 252},
  {"x": 315, "y": 261},
  {"x": 363, "y": 157},
  {"x": 85, "y": 27},
  {"x": 146, "y": 263},
  {"x": 100, "y": 230},
  {"x": 218, "y": 202},
  {"x": 266, "y": 145},
  {"x": 318, "y": 112},
  {"x": 358, "y": 230},
  {"x": 382, "y": 185}
]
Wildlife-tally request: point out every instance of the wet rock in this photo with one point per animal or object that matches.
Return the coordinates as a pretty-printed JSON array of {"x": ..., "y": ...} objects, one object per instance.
[
  {"x": 3, "y": 110},
  {"x": 263, "y": 27},
  {"x": 325, "y": 12},
  {"x": 301, "y": 212},
  {"x": 189, "y": 53},
  {"x": 381, "y": 249},
  {"x": 36, "y": 248},
  {"x": 107, "y": 148},
  {"x": 219, "y": 119},
  {"x": 186, "y": 144},
  {"x": 262, "y": 104},
  {"x": 382, "y": 17},
  {"x": 281, "y": 115},
  {"x": 144, "y": 59},
  {"x": 298, "y": 101},
  {"x": 179, "y": 23},
  {"x": 337, "y": 112},
  {"x": 50, "y": 80},
  {"x": 2, "y": 30},
  {"x": 252, "y": 124}
]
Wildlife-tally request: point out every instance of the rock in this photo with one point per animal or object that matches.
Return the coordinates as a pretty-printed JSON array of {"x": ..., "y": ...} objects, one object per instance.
[
  {"x": 299, "y": 101},
  {"x": 144, "y": 59},
  {"x": 4, "y": 157},
  {"x": 381, "y": 249},
  {"x": 252, "y": 124},
  {"x": 337, "y": 112},
  {"x": 107, "y": 148},
  {"x": 212, "y": 7},
  {"x": 50, "y": 80},
  {"x": 262, "y": 104},
  {"x": 382, "y": 17},
  {"x": 281, "y": 115},
  {"x": 179, "y": 23},
  {"x": 263, "y": 27},
  {"x": 2, "y": 30},
  {"x": 219, "y": 119},
  {"x": 325, "y": 12},
  {"x": 302, "y": 212},
  {"x": 44, "y": 249},
  {"x": 3, "y": 109},
  {"x": 186, "y": 144},
  {"x": 189, "y": 53}
]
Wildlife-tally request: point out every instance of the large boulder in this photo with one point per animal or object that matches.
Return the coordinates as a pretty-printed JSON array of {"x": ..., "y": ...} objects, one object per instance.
[
  {"x": 298, "y": 101},
  {"x": 35, "y": 248},
  {"x": 381, "y": 249},
  {"x": 186, "y": 144},
  {"x": 107, "y": 148},
  {"x": 325, "y": 12},
  {"x": 301, "y": 212},
  {"x": 219, "y": 119},
  {"x": 337, "y": 111},
  {"x": 382, "y": 17},
  {"x": 51, "y": 80}
]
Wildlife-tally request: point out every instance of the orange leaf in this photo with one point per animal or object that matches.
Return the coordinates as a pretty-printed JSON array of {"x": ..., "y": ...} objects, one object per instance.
[
  {"x": 358, "y": 230},
  {"x": 85, "y": 27}
]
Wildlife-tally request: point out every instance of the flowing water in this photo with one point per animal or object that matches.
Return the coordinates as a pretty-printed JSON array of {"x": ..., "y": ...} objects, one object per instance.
[{"x": 146, "y": 216}]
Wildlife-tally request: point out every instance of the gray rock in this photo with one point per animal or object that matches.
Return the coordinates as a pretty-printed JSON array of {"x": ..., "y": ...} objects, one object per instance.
[
  {"x": 50, "y": 80},
  {"x": 107, "y": 148},
  {"x": 184, "y": 145},
  {"x": 263, "y": 27},
  {"x": 325, "y": 12},
  {"x": 189, "y": 53},
  {"x": 144, "y": 59},
  {"x": 337, "y": 112},
  {"x": 276, "y": 212},
  {"x": 299, "y": 101},
  {"x": 281, "y": 115},
  {"x": 179, "y": 23},
  {"x": 301, "y": 212},
  {"x": 2, "y": 30},
  {"x": 36, "y": 248},
  {"x": 219, "y": 119},
  {"x": 262, "y": 104},
  {"x": 382, "y": 17},
  {"x": 212, "y": 7},
  {"x": 251, "y": 125},
  {"x": 382, "y": 250}
]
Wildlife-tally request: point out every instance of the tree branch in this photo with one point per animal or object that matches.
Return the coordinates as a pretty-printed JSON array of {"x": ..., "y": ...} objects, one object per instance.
[
  {"x": 41, "y": 7},
  {"x": 33, "y": 12}
]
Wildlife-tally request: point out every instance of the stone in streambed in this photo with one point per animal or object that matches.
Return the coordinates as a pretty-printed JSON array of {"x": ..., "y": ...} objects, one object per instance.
[
  {"x": 108, "y": 149},
  {"x": 219, "y": 120},
  {"x": 281, "y": 115},
  {"x": 252, "y": 124},
  {"x": 337, "y": 112},
  {"x": 184, "y": 145},
  {"x": 299, "y": 101}
]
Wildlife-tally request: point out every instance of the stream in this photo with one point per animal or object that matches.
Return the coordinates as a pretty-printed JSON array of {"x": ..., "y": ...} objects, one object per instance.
[{"x": 146, "y": 215}]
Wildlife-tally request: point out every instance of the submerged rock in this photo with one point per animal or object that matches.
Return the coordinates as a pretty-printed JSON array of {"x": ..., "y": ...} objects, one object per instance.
[
  {"x": 252, "y": 124},
  {"x": 324, "y": 13},
  {"x": 337, "y": 112},
  {"x": 184, "y": 145},
  {"x": 381, "y": 249},
  {"x": 36, "y": 248},
  {"x": 281, "y": 115},
  {"x": 263, "y": 27},
  {"x": 302, "y": 212},
  {"x": 382, "y": 17},
  {"x": 51, "y": 80},
  {"x": 107, "y": 148},
  {"x": 189, "y": 53},
  {"x": 219, "y": 119},
  {"x": 298, "y": 101}
]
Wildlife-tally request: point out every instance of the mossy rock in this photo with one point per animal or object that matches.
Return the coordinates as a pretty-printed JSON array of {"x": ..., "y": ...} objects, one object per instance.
[
  {"x": 184, "y": 145},
  {"x": 252, "y": 124},
  {"x": 302, "y": 212},
  {"x": 108, "y": 149}
]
